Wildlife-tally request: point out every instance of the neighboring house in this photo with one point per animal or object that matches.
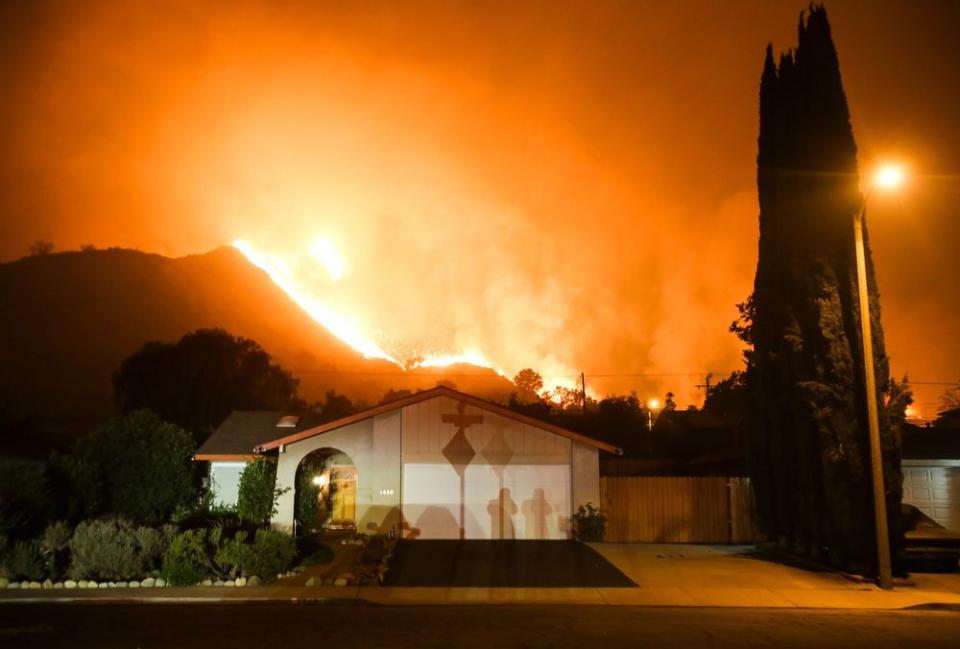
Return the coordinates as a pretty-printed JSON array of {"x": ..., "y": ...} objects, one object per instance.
[
  {"x": 436, "y": 464},
  {"x": 931, "y": 472}
]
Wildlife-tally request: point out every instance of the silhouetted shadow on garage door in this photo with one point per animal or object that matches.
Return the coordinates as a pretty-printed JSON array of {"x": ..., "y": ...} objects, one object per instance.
[{"x": 550, "y": 564}]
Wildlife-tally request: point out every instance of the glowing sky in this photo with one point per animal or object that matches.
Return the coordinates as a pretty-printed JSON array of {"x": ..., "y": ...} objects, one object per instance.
[{"x": 562, "y": 185}]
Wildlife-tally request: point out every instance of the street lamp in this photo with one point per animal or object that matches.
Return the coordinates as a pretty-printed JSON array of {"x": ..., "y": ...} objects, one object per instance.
[
  {"x": 887, "y": 177},
  {"x": 652, "y": 405}
]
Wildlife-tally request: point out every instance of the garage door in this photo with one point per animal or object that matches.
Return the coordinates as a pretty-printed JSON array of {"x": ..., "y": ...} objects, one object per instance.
[
  {"x": 498, "y": 502},
  {"x": 935, "y": 490}
]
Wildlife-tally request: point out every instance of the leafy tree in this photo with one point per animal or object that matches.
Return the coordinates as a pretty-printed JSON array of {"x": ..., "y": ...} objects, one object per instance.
[
  {"x": 950, "y": 399},
  {"x": 669, "y": 404},
  {"x": 144, "y": 465},
  {"x": 529, "y": 384},
  {"x": 727, "y": 400},
  {"x": 258, "y": 493},
  {"x": 393, "y": 395},
  {"x": 336, "y": 406},
  {"x": 40, "y": 248},
  {"x": 196, "y": 382}
]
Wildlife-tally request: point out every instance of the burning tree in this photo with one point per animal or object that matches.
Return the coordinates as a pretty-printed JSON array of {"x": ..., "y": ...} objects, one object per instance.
[{"x": 806, "y": 421}]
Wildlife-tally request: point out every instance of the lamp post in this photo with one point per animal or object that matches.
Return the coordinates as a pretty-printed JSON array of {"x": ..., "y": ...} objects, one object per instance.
[
  {"x": 888, "y": 177},
  {"x": 652, "y": 405}
]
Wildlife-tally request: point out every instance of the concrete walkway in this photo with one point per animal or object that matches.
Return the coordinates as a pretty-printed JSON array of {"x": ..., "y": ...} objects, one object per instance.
[{"x": 666, "y": 575}]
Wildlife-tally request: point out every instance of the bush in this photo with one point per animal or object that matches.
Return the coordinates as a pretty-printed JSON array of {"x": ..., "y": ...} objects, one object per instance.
[
  {"x": 25, "y": 502},
  {"x": 187, "y": 560},
  {"x": 114, "y": 549},
  {"x": 145, "y": 465},
  {"x": 257, "y": 497},
  {"x": 24, "y": 561},
  {"x": 55, "y": 548},
  {"x": 273, "y": 553},
  {"x": 589, "y": 523},
  {"x": 104, "y": 549},
  {"x": 234, "y": 556},
  {"x": 76, "y": 486}
]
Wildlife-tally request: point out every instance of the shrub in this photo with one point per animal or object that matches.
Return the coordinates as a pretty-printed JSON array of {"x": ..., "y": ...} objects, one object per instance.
[
  {"x": 152, "y": 545},
  {"x": 273, "y": 553},
  {"x": 24, "y": 561},
  {"x": 234, "y": 556},
  {"x": 257, "y": 497},
  {"x": 54, "y": 546},
  {"x": 104, "y": 549},
  {"x": 25, "y": 501},
  {"x": 187, "y": 561},
  {"x": 589, "y": 523},
  {"x": 76, "y": 486},
  {"x": 145, "y": 464}
]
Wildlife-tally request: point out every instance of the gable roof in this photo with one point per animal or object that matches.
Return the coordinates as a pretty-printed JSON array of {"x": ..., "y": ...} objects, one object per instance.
[
  {"x": 244, "y": 430},
  {"x": 244, "y": 434},
  {"x": 439, "y": 391}
]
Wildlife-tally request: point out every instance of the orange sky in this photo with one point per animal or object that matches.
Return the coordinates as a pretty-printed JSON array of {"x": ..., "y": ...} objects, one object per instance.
[{"x": 559, "y": 184}]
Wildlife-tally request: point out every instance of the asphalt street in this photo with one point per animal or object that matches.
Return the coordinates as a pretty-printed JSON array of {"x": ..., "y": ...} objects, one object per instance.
[{"x": 149, "y": 626}]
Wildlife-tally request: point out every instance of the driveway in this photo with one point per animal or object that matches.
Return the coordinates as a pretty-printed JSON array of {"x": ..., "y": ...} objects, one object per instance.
[{"x": 529, "y": 564}]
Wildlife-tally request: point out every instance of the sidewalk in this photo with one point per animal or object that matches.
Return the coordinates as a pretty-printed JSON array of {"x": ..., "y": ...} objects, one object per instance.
[{"x": 666, "y": 575}]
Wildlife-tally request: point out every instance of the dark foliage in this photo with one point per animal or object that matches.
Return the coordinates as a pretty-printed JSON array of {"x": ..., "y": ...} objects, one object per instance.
[
  {"x": 257, "y": 497},
  {"x": 806, "y": 417},
  {"x": 144, "y": 465},
  {"x": 25, "y": 502},
  {"x": 196, "y": 382}
]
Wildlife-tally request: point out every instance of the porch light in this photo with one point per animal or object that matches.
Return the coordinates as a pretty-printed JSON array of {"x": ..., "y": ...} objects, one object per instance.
[{"x": 321, "y": 479}]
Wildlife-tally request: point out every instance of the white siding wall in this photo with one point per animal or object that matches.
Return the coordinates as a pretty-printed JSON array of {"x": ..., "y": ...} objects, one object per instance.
[
  {"x": 509, "y": 480},
  {"x": 225, "y": 481}
]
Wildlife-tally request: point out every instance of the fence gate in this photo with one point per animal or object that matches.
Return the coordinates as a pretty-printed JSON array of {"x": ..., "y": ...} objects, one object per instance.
[{"x": 678, "y": 509}]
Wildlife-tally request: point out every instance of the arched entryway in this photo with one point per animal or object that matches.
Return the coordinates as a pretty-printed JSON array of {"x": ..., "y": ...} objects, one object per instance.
[{"x": 326, "y": 492}]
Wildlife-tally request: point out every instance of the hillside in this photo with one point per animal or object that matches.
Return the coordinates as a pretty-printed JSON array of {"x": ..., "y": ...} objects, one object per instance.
[{"x": 67, "y": 321}]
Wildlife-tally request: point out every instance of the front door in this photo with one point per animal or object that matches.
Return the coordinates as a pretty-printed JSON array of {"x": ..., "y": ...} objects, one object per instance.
[{"x": 344, "y": 503}]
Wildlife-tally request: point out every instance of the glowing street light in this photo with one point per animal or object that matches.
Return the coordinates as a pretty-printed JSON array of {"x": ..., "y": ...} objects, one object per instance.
[
  {"x": 887, "y": 177},
  {"x": 321, "y": 480},
  {"x": 652, "y": 405}
]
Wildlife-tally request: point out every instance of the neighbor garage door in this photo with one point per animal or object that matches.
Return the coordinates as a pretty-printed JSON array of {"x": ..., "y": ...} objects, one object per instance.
[{"x": 935, "y": 490}]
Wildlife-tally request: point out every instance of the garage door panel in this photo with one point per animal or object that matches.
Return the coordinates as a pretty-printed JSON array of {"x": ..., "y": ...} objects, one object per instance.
[{"x": 935, "y": 491}]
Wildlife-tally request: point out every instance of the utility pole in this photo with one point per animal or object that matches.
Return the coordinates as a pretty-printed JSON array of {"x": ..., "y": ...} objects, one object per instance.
[
  {"x": 884, "y": 576},
  {"x": 583, "y": 392},
  {"x": 706, "y": 386}
]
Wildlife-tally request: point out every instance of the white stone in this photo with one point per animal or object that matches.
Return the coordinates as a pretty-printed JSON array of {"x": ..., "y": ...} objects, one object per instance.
[
  {"x": 206, "y": 582},
  {"x": 58, "y": 584},
  {"x": 133, "y": 584},
  {"x": 69, "y": 584},
  {"x": 109, "y": 584},
  {"x": 83, "y": 583},
  {"x": 120, "y": 584},
  {"x": 253, "y": 581},
  {"x": 241, "y": 581},
  {"x": 218, "y": 582},
  {"x": 161, "y": 582},
  {"x": 92, "y": 584},
  {"x": 148, "y": 582},
  {"x": 4, "y": 582},
  {"x": 35, "y": 585},
  {"x": 229, "y": 582},
  {"x": 102, "y": 584},
  {"x": 13, "y": 584},
  {"x": 47, "y": 583},
  {"x": 340, "y": 581}
]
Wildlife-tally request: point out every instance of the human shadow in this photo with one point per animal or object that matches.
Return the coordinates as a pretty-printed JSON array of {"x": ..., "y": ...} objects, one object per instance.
[{"x": 502, "y": 510}]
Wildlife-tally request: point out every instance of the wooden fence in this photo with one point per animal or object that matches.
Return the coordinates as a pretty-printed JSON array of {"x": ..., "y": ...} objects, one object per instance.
[{"x": 678, "y": 510}]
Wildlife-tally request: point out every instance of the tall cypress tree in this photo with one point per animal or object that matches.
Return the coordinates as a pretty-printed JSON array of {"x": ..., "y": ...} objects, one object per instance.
[{"x": 807, "y": 424}]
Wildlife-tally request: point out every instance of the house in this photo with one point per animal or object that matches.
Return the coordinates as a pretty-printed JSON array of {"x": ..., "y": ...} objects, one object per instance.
[
  {"x": 436, "y": 464},
  {"x": 931, "y": 472}
]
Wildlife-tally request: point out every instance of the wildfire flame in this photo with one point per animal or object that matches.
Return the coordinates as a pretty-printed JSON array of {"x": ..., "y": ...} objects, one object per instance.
[{"x": 286, "y": 274}]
